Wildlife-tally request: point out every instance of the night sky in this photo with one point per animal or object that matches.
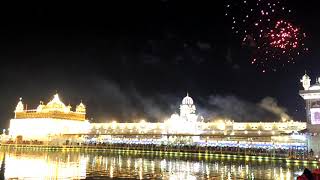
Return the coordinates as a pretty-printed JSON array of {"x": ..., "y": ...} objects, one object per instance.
[{"x": 129, "y": 61}]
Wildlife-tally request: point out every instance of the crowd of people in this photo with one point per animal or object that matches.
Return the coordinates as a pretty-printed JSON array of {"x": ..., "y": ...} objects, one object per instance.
[{"x": 294, "y": 153}]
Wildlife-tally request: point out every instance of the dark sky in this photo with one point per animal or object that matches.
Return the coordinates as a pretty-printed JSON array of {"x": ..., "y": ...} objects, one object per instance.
[{"x": 130, "y": 60}]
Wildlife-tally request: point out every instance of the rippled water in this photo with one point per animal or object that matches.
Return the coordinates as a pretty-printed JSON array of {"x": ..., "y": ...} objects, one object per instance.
[{"x": 22, "y": 164}]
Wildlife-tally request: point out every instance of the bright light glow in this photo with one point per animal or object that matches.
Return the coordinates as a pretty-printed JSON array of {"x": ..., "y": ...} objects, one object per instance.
[
  {"x": 284, "y": 119},
  {"x": 37, "y": 167},
  {"x": 114, "y": 124},
  {"x": 40, "y": 128},
  {"x": 142, "y": 121},
  {"x": 221, "y": 125},
  {"x": 299, "y": 137},
  {"x": 187, "y": 122}
]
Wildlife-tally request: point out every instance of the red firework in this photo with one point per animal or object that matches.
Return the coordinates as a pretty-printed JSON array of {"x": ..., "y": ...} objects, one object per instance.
[
  {"x": 260, "y": 25},
  {"x": 280, "y": 45},
  {"x": 284, "y": 36}
]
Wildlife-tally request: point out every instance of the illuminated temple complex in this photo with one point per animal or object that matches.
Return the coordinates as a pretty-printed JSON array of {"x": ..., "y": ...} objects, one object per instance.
[
  {"x": 48, "y": 120},
  {"x": 56, "y": 123},
  {"x": 188, "y": 127}
]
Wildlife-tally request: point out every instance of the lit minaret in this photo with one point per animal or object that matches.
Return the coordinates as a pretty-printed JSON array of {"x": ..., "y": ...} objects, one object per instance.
[
  {"x": 311, "y": 94},
  {"x": 19, "y": 107},
  {"x": 187, "y": 121},
  {"x": 187, "y": 107},
  {"x": 305, "y": 81}
]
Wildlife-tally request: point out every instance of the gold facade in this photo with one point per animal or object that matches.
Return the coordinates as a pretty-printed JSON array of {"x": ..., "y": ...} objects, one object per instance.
[
  {"x": 52, "y": 114},
  {"x": 53, "y": 109}
]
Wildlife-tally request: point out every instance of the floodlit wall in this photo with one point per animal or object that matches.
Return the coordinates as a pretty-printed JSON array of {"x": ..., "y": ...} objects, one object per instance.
[
  {"x": 206, "y": 128},
  {"x": 42, "y": 128}
]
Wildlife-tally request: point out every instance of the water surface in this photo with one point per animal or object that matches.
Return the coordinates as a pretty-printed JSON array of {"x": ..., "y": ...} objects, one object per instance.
[{"x": 23, "y": 164}]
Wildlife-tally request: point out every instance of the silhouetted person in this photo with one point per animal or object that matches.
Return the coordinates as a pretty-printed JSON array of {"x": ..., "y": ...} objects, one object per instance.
[
  {"x": 308, "y": 174},
  {"x": 311, "y": 152}
]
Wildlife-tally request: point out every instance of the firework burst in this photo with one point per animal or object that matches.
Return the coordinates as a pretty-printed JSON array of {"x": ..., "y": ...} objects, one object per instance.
[
  {"x": 285, "y": 36},
  {"x": 279, "y": 46},
  {"x": 259, "y": 25}
]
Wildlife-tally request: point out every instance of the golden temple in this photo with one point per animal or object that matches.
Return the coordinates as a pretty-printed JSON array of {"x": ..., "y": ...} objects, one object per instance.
[{"x": 53, "y": 109}]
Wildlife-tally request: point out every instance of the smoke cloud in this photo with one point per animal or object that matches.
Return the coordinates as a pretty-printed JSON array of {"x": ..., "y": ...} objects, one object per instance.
[
  {"x": 271, "y": 105},
  {"x": 110, "y": 100},
  {"x": 234, "y": 108}
]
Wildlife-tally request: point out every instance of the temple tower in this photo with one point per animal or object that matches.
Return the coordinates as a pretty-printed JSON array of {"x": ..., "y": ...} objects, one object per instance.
[{"x": 311, "y": 94}]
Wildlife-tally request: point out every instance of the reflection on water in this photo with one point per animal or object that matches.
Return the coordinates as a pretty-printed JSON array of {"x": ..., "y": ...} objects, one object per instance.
[
  {"x": 74, "y": 165},
  {"x": 40, "y": 165}
]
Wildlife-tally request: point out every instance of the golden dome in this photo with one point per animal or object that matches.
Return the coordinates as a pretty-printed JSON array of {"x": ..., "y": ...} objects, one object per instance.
[
  {"x": 19, "y": 107},
  {"x": 55, "y": 109},
  {"x": 187, "y": 100},
  {"x": 81, "y": 108},
  {"x": 56, "y": 105},
  {"x": 40, "y": 107}
]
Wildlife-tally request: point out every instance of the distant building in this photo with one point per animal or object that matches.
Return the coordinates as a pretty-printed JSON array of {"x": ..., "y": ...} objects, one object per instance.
[
  {"x": 56, "y": 123},
  {"x": 187, "y": 121},
  {"x": 311, "y": 94},
  {"x": 192, "y": 126},
  {"x": 52, "y": 119}
]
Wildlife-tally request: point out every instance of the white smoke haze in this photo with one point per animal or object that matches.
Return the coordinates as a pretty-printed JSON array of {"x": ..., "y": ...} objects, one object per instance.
[
  {"x": 127, "y": 104},
  {"x": 271, "y": 104},
  {"x": 239, "y": 110},
  {"x": 113, "y": 102}
]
